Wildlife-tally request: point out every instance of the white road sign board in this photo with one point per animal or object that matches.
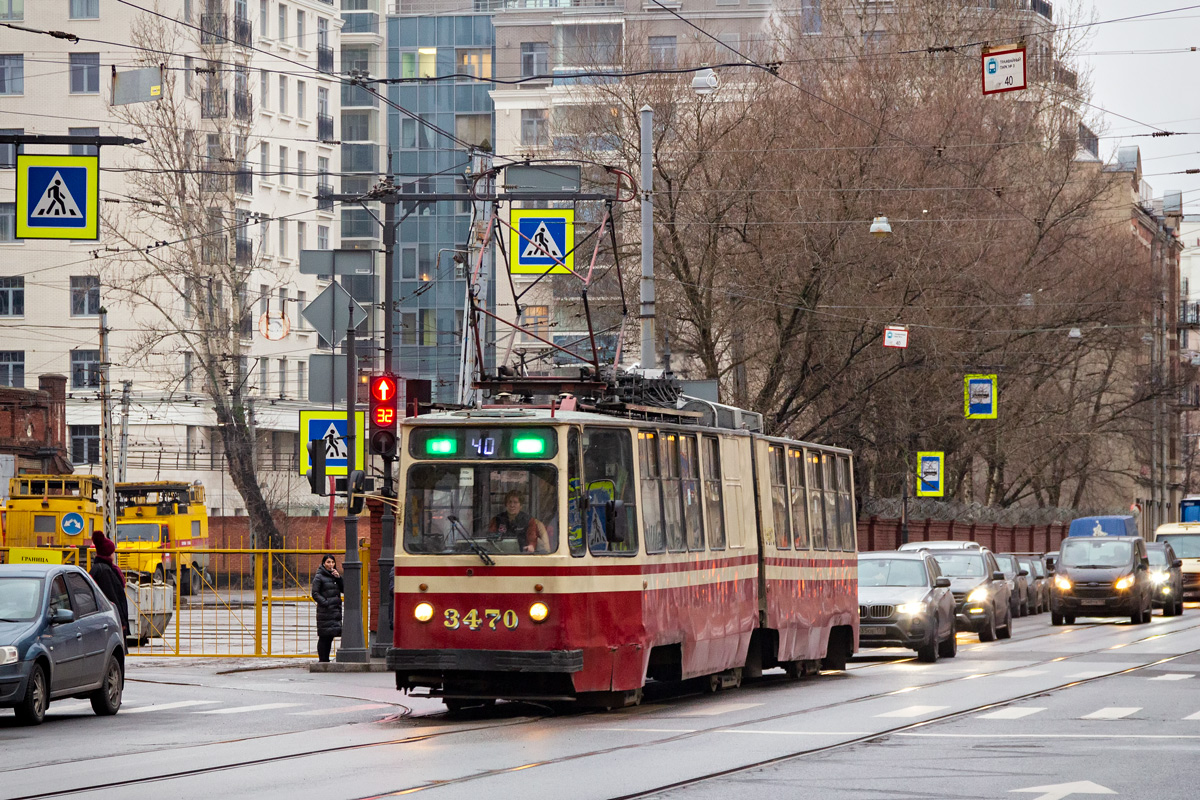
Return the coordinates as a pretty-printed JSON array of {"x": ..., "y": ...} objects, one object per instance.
[
  {"x": 895, "y": 336},
  {"x": 1003, "y": 70}
]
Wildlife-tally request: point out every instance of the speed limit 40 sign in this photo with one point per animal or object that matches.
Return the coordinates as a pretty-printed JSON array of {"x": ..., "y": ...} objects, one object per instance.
[{"x": 1003, "y": 70}]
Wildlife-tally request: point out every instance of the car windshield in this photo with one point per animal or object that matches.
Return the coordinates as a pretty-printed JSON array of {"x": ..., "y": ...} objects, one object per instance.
[
  {"x": 1157, "y": 556},
  {"x": 891, "y": 572},
  {"x": 960, "y": 565},
  {"x": 1185, "y": 545},
  {"x": 20, "y": 599},
  {"x": 481, "y": 508},
  {"x": 137, "y": 532},
  {"x": 1007, "y": 563},
  {"x": 1097, "y": 553}
]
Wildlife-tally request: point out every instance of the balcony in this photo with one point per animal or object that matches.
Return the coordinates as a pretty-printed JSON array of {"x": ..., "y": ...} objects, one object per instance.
[
  {"x": 358, "y": 223},
  {"x": 243, "y": 251},
  {"x": 324, "y": 128},
  {"x": 325, "y": 58},
  {"x": 214, "y": 180},
  {"x": 360, "y": 158},
  {"x": 243, "y": 106},
  {"x": 214, "y": 250},
  {"x": 360, "y": 22},
  {"x": 1041, "y": 7},
  {"x": 1189, "y": 313},
  {"x": 243, "y": 32},
  {"x": 243, "y": 181},
  {"x": 214, "y": 104},
  {"x": 324, "y": 203},
  {"x": 214, "y": 28},
  {"x": 526, "y": 5},
  {"x": 356, "y": 96}
]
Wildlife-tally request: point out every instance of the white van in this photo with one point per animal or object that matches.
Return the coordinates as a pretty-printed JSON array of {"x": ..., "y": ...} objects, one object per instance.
[{"x": 1185, "y": 541}]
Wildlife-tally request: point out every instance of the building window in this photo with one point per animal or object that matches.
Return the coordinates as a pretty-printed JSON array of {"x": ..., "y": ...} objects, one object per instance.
[
  {"x": 85, "y": 73},
  {"x": 187, "y": 371},
  {"x": 300, "y": 92},
  {"x": 264, "y": 16},
  {"x": 356, "y": 126},
  {"x": 282, "y": 94},
  {"x": 8, "y": 222},
  {"x": 535, "y": 59},
  {"x": 534, "y": 128},
  {"x": 283, "y": 237},
  {"x": 12, "y": 296},
  {"x": 8, "y": 152},
  {"x": 263, "y": 375},
  {"x": 428, "y": 331},
  {"x": 810, "y": 16},
  {"x": 357, "y": 59},
  {"x": 283, "y": 160},
  {"x": 12, "y": 74},
  {"x": 301, "y": 381},
  {"x": 322, "y": 32},
  {"x": 535, "y": 320},
  {"x": 301, "y": 304},
  {"x": 473, "y": 128},
  {"x": 477, "y": 63},
  {"x": 264, "y": 87},
  {"x": 85, "y": 295},
  {"x": 282, "y": 377},
  {"x": 12, "y": 368},
  {"x": 85, "y": 369},
  {"x": 408, "y": 327},
  {"x": 301, "y": 169},
  {"x": 85, "y": 444},
  {"x": 301, "y": 232},
  {"x": 662, "y": 51},
  {"x": 589, "y": 45},
  {"x": 84, "y": 149},
  {"x": 12, "y": 10},
  {"x": 299, "y": 28},
  {"x": 281, "y": 34},
  {"x": 85, "y": 9}
]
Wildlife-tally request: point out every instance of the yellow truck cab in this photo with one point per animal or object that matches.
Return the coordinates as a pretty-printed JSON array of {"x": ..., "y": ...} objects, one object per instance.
[
  {"x": 53, "y": 510},
  {"x": 155, "y": 518},
  {"x": 1185, "y": 541}
]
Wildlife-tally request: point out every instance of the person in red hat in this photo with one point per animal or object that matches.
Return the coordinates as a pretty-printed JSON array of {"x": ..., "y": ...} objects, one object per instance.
[{"x": 108, "y": 576}]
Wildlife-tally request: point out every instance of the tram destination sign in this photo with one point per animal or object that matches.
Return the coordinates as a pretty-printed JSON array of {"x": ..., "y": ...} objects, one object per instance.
[{"x": 483, "y": 443}]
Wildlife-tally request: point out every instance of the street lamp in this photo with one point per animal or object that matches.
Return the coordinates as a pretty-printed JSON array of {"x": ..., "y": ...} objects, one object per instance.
[
  {"x": 704, "y": 82},
  {"x": 880, "y": 227}
]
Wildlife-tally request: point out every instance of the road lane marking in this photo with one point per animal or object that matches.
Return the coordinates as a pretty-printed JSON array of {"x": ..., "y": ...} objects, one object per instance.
[
  {"x": 1193, "y": 716},
  {"x": 1119, "y": 736},
  {"x": 722, "y": 708},
  {"x": 799, "y": 733},
  {"x": 650, "y": 730},
  {"x": 912, "y": 711},
  {"x": 1011, "y": 713},
  {"x": 248, "y": 709},
  {"x": 1179, "y": 676},
  {"x": 1112, "y": 712},
  {"x": 1022, "y": 673},
  {"x": 167, "y": 706},
  {"x": 1089, "y": 673},
  {"x": 342, "y": 710},
  {"x": 68, "y": 708}
]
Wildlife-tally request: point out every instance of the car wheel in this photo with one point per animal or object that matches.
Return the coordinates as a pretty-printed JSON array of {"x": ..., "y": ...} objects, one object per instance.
[
  {"x": 159, "y": 575},
  {"x": 1068, "y": 619},
  {"x": 929, "y": 652},
  {"x": 1148, "y": 612},
  {"x": 988, "y": 632},
  {"x": 106, "y": 700},
  {"x": 1006, "y": 631},
  {"x": 32, "y": 708},
  {"x": 1179, "y": 608},
  {"x": 197, "y": 582},
  {"x": 1056, "y": 618},
  {"x": 949, "y": 648}
]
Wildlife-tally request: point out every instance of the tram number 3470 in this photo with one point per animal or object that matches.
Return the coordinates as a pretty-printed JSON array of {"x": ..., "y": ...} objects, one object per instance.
[{"x": 472, "y": 620}]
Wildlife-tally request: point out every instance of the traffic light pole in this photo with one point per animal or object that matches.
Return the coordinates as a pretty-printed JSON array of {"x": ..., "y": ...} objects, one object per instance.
[
  {"x": 387, "y": 522},
  {"x": 353, "y": 647}
]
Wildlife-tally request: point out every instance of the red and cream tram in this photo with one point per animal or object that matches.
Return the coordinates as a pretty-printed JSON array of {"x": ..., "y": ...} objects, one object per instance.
[{"x": 577, "y": 555}]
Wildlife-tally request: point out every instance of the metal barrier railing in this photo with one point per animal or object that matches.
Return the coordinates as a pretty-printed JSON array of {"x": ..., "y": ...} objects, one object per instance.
[{"x": 243, "y": 603}]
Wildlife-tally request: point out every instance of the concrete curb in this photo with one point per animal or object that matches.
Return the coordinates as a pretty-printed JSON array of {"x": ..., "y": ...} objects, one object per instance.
[{"x": 338, "y": 666}]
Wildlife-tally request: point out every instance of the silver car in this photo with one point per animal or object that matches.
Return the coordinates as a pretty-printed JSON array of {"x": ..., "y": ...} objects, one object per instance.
[{"x": 905, "y": 601}]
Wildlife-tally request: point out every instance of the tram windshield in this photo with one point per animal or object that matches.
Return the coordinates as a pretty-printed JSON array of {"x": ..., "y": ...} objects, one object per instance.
[{"x": 483, "y": 508}]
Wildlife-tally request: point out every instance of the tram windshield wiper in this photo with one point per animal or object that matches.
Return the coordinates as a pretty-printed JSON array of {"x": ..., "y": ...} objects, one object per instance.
[{"x": 470, "y": 540}]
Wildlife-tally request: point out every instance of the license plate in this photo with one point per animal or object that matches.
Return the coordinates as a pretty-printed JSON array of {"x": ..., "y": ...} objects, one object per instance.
[
  {"x": 872, "y": 630},
  {"x": 1093, "y": 601}
]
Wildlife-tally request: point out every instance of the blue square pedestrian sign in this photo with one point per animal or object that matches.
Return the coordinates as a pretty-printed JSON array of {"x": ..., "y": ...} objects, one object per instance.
[
  {"x": 541, "y": 240},
  {"x": 930, "y": 475},
  {"x": 330, "y": 428},
  {"x": 979, "y": 396},
  {"x": 58, "y": 197}
]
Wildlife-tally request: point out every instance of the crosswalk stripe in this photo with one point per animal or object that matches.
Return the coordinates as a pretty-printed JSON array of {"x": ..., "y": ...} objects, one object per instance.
[
  {"x": 1112, "y": 712},
  {"x": 719, "y": 708},
  {"x": 1193, "y": 716},
  {"x": 1176, "y": 676},
  {"x": 341, "y": 710},
  {"x": 1091, "y": 673},
  {"x": 167, "y": 706},
  {"x": 1021, "y": 673},
  {"x": 912, "y": 711},
  {"x": 248, "y": 709},
  {"x": 1011, "y": 713},
  {"x": 68, "y": 708}
]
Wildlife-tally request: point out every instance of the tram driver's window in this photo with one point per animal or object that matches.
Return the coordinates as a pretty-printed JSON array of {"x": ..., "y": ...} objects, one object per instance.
[
  {"x": 608, "y": 477},
  {"x": 783, "y": 536},
  {"x": 575, "y": 495},
  {"x": 656, "y": 537}
]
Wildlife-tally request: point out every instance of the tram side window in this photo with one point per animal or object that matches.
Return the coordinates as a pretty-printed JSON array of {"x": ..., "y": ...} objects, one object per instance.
[
  {"x": 608, "y": 472},
  {"x": 689, "y": 472},
  {"x": 832, "y": 529},
  {"x": 714, "y": 510},
  {"x": 734, "y": 454},
  {"x": 668, "y": 446},
  {"x": 652, "y": 517},
  {"x": 783, "y": 534},
  {"x": 798, "y": 498},
  {"x": 575, "y": 510},
  {"x": 816, "y": 516},
  {"x": 846, "y": 505}
]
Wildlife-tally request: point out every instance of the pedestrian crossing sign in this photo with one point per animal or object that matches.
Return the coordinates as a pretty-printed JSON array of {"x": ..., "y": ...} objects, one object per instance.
[
  {"x": 330, "y": 428},
  {"x": 58, "y": 197},
  {"x": 541, "y": 240}
]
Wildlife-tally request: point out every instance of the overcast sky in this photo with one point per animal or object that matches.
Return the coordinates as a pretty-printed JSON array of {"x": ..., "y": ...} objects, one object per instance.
[{"x": 1155, "y": 89}]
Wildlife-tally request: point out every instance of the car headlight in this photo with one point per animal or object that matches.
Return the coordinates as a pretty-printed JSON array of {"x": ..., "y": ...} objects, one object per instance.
[
  {"x": 1123, "y": 583},
  {"x": 538, "y": 612},
  {"x": 423, "y": 612},
  {"x": 910, "y": 608},
  {"x": 978, "y": 595},
  {"x": 8, "y": 655},
  {"x": 1159, "y": 576},
  {"x": 1062, "y": 582}
]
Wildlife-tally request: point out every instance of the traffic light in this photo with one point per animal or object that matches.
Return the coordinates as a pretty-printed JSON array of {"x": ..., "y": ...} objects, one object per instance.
[
  {"x": 316, "y": 470},
  {"x": 356, "y": 487},
  {"x": 385, "y": 414}
]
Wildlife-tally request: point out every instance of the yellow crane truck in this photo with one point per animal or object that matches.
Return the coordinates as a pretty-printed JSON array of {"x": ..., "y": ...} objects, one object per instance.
[{"x": 156, "y": 517}]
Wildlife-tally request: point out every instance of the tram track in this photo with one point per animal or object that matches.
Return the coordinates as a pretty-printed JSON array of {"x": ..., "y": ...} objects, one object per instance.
[{"x": 683, "y": 735}]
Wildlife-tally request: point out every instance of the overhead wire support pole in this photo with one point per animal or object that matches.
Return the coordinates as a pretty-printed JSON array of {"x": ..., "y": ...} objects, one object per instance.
[
  {"x": 386, "y": 565},
  {"x": 646, "y": 313}
]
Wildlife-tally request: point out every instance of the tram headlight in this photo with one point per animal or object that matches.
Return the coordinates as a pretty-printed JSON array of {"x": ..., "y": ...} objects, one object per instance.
[
  {"x": 423, "y": 612},
  {"x": 8, "y": 655},
  {"x": 538, "y": 612},
  {"x": 1123, "y": 583}
]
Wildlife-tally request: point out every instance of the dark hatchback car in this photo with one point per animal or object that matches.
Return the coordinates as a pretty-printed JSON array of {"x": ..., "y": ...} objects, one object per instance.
[
  {"x": 904, "y": 601},
  {"x": 1166, "y": 572},
  {"x": 1039, "y": 584},
  {"x": 1018, "y": 580},
  {"x": 59, "y": 637},
  {"x": 1101, "y": 576},
  {"x": 981, "y": 595}
]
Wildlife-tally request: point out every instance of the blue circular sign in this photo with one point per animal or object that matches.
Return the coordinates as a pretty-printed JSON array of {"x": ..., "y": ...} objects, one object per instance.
[{"x": 72, "y": 524}]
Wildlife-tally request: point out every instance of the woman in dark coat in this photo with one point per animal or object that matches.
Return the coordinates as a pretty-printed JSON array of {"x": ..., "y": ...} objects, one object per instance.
[
  {"x": 109, "y": 578},
  {"x": 327, "y": 591}
]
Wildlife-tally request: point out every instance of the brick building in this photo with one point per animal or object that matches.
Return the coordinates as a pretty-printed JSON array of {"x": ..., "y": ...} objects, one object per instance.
[{"x": 33, "y": 426}]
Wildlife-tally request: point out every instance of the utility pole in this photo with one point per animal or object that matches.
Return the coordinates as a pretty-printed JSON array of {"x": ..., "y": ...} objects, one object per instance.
[
  {"x": 646, "y": 313},
  {"x": 123, "y": 459},
  {"x": 106, "y": 435},
  {"x": 252, "y": 424},
  {"x": 386, "y": 566},
  {"x": 353, "y": 647}
]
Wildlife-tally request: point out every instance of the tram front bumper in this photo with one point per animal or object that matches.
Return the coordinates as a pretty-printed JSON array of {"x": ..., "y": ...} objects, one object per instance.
[{"x": 562, "y": 661}]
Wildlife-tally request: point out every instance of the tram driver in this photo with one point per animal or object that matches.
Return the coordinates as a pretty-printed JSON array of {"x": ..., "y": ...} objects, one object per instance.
[{"x": 516, "y": 523}]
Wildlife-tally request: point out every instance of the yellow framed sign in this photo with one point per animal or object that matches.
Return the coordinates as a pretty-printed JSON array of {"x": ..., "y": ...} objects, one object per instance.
[
  {"x": 931, "y": 475},
  {"x": 979, "y": 396},
  {"x": 330, "y": 427},
  {"x": 58, "y": 197},
  {"x": 541, "y": 240}
]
